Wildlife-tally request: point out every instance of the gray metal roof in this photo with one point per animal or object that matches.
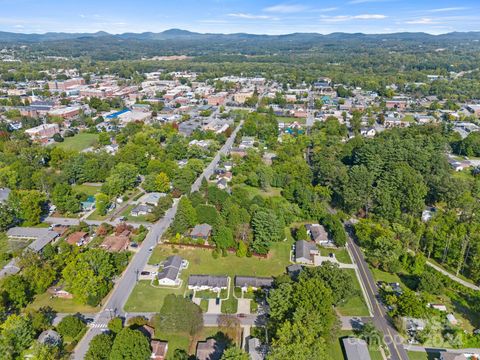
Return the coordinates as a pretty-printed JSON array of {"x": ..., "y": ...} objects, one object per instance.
[
  {"x": 202, "y": 230},
  {"x": 208, "y": 280},
  {"x": 257, "y": 282},
  {"x": 356, "y": 349},
  {"x": 41, "y": 236}
]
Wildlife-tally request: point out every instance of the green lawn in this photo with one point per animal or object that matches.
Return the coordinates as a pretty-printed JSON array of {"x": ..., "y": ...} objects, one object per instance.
[
  {"x": 61, "y": 305},
  {"x": 96, "y": 216},
  {"x": 415, "y": 355},
  {"x": 147, "y": 298},
  {"x": 341, "y": 254},
  {"x": 291, "y": 119},
  {"x": 356, "y": 305},
  {"x": 78, "y": 142},
  {"x": 87, "y": 189},
  {"x": 253, "y": 191},
  {"x": 380, "y": 275}
]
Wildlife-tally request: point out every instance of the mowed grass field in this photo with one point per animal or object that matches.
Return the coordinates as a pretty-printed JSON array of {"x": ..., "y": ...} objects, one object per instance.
[
  {"x": 78, "y": 142},
  {"x": 146, "y": 298},
  {"x": 355, "y": 306},
  {"x": 61, "y": 305}
]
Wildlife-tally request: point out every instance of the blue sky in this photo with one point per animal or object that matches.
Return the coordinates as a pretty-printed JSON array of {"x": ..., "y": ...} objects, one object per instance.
[{"x": 229, "y": 16}]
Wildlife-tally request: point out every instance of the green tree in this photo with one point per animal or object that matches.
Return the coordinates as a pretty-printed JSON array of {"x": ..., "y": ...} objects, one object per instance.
[
  {"x": 162, "y": 183},
  {"x": 130, "y": 345},
  {"x": 16, "y": 290},
  {"x": 102, "y": 202},
  {"x": 7, "y": 216},
  {"x": 64, "y": 199},
  {"x": 185, "y": 217},
  {"x": 27, "y": 205},
  {"x": 122, "y": 177},
  {"x": 100, "y": 347},
  {"x": 70, "y": 326},
  {"x": 223, "y": 238},
  {"x": 235, "y": 353},
  {"x": 266, "y": 229},
  {"x": 115, "y": 325},
  {"x": 16, "y": 335},
  {"x": 104, "y": 138}
]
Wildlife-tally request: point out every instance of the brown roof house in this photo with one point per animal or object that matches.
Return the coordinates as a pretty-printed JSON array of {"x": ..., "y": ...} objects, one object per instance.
[
  {"x": 159, "y": 349},
  {"x": 78, "y": 238},
  {"x": 116, "y": 243},
  {"x": 209, "y": 350},
  {"x": 201, "y": 231}
]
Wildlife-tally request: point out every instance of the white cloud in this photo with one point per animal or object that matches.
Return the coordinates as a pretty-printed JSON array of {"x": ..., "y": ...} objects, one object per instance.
[
  {"x": 328, "y": 9},
  {"x": 340, "y": 18},
  {"x": 448, "y": 9},
  {"x": 249, "y": 16},
  {"x": 422, "y": 21},
  {"x": 285, "y": 9}
]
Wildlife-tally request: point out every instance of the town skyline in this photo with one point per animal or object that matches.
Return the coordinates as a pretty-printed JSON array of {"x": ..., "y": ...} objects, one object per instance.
[{"x": 224, "y": 16}]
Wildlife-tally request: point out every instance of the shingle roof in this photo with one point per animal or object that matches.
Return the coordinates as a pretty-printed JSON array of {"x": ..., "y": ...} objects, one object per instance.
[
  {"x": 173, "y": 261},
  {"x": 202, "y": 230},
  {"x": 257, "y": 282},
  {"x": 356, "y": 349},
  {"x": 168, "y": 273},
  {"x": 208, "y": 280},
  {"x": 303, "y": 249}
]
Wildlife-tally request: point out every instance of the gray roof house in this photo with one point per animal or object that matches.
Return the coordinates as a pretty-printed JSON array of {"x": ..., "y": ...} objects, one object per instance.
[
  {"x": 201, "y": 231},
  {"x": 141, "y": 209},
  {"x": 356, "y": 349},
  {"x": 151, "y": 198},
  {"x": 246, "y": 282},
  {"x": 171, "y": 271},
  {"x": 304, "y": 252},
  {"x": 204, "y": 282},
  {"x": 317, "y": 233},
  {"x": 4, "y": 193},
  {"x": 40, "y": 236}
]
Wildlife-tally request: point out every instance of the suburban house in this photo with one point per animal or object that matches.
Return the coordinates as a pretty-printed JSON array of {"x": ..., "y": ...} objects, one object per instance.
[
  {"x": 201, "y": 231},
  {"x": 59, "y": 292},
  {"x": 78, "y": 238},
  {"x": 356, "y": 349},
  {"x": 141, "y": 210},
  {"x": 294, "y": 270},
  {"x": 251, "y": 282},
  {"x": 170, "y": 274},
  {"x": 222, "y": 184},
  {"x": 209, "y": 350},
  {"x": 318, "y": 234},
  {"x": 159, "y": 350},
  {"x": 40, "y": 236},
  {"x": 207, "y": 282},
  {"x": 151, "y": 198},
  {"x": 305, "y": 251},
  {"x": 116, "y": 243}
]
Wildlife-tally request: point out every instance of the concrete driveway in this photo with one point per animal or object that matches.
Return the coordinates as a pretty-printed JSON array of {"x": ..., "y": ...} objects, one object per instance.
[
  {"x": 243, "y": 306},
  {"x": 213, "y": 308}
]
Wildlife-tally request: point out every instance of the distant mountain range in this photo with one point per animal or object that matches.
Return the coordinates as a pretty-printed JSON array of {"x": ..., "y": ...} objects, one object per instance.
[{"x": 9, "y": 37}]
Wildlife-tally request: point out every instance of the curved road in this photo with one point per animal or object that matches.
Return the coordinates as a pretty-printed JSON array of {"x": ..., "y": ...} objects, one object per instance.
[{"x": 124, "y": 286}]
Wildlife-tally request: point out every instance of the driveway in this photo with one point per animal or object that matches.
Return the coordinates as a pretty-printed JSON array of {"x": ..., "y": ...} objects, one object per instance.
[
  {"x": 213, "y": 308},
  {"x": 243, "y": 306}
]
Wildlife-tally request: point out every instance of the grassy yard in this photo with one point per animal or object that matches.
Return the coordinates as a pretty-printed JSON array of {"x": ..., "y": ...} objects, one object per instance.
[
  {"x": 147, "y": 298},
  {"x": 253, "y": 191},
  {"x": 185, "y": 341},
  {"x": 60, "y": 305},
  {"x": 87, "y": 189},
  {"x": 380, "y": 275},
  {"x": 96, "y": 216},
  {"x": 355, "y": 306},
  {"x": 78, "y": 142},
  {"x": 415, "y": 355},
  {"x": 291, "y": 119},
  {"x": 129, "y": 217},
  {"x": 341, "y": 254}
]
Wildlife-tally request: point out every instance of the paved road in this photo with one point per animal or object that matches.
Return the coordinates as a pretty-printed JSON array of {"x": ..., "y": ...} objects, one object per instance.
[
  {"x": 380, "y": 317},
  {"x": 453, "y": 277},
  {"x": 124, "y": 286}
]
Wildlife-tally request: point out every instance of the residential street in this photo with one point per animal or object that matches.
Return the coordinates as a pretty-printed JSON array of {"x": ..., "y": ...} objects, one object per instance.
[
  {"x": 124, "y": 286},
  {"x": 380, "y": 317}
]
